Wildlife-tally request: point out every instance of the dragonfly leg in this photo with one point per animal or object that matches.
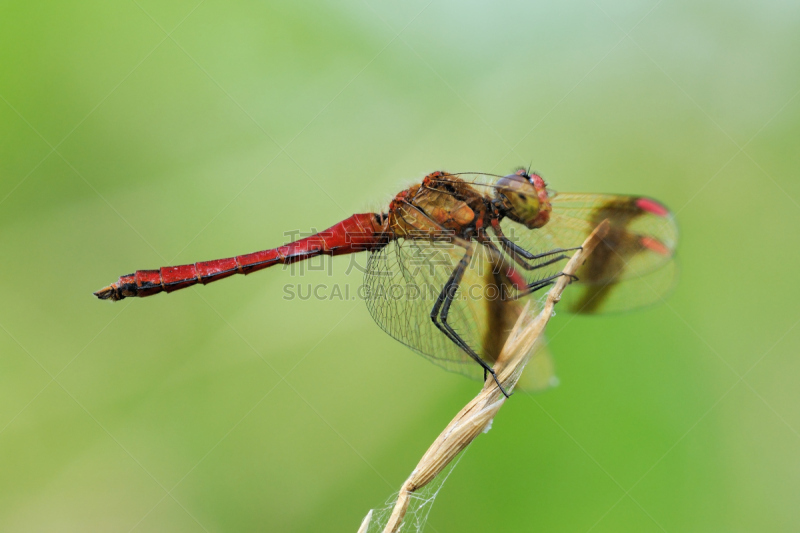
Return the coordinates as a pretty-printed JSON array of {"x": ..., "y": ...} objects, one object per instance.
[
  {"x": 510, "y": 245},
  {"x": 441, "y": 310},
  {"x": 490, "y": 245},
  {"x": 542, "y": 283},
  {"x": 448, "y": 289},
  {"x": 526, "y": 259},
  {"x": 528, "y": 266}
]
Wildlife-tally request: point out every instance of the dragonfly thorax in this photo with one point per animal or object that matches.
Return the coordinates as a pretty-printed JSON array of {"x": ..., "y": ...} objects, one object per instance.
[{"x": 523, "y": 199}]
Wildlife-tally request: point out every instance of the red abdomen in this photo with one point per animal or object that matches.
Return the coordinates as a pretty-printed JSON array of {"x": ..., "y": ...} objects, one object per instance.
[{"x": 360, "y": 232}]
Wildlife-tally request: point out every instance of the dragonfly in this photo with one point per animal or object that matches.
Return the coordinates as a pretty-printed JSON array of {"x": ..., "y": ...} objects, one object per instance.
[{"x": 455, "y": 256}]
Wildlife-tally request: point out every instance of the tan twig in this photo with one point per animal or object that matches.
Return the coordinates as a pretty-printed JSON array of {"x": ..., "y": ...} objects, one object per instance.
[
  {"x": 365, "y": 523},
  {"x": 476, "y": 416}
]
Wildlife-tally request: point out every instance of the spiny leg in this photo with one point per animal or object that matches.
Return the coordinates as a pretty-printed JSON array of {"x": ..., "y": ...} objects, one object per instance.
[
  {"x": 542, "y": 283},
  {"x": 453, "y": 335},
  {"x": 441, "y": 310},
  {"x": 523, "y": 257},
  {"x": 528, "y": 266},
  {"x": 440, "y": 301},
  {"x": 512, "y": 247}
]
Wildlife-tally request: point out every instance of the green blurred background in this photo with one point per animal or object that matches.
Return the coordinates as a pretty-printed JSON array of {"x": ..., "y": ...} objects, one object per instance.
[{"x": 140, "y": 133}]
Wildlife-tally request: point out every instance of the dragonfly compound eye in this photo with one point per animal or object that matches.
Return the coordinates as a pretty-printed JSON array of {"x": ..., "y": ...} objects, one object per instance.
[{"x": 520, "y": 198}]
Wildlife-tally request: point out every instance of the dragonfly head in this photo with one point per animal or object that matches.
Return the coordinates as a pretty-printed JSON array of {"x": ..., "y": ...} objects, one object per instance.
[{"x": 523, "y": 198}]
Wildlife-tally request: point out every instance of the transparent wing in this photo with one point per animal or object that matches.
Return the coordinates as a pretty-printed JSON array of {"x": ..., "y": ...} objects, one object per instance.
[
  {"x": 612, "y": 297},
  {"x": 632, "y": 267},
  {"x": 404, "y": 280},
  {"x": 642, "y": 238},
  {"x": 540, "y": 372}
]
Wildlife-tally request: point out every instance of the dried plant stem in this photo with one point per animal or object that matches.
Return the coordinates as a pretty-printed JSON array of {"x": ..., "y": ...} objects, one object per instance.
[{"x": 476, "y": 416}]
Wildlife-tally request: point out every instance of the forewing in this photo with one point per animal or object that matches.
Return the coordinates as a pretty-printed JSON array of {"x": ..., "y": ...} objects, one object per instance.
[
  {"x": 643, "y": 291},
  {"x": 636, "y": 254},
  {"x": 643, "y": 231},
  {"x": 631, "y": 268}
]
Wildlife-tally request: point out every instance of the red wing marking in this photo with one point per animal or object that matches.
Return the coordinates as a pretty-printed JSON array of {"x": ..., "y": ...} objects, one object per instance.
[
  {"x": 655, "y": 245},
  {"x": 651, "y": 206}
]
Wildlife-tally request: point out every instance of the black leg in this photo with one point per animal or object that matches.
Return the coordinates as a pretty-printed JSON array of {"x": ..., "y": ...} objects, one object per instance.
[
  {"x": 441, "y": 309},
  {"x": 542, "y": 283},
  {"x": 528, "y": 266},
  {"x": 524, "y": 258},
  {"x": 440, "y": 300},
  {"x": 521, "y": 262}
]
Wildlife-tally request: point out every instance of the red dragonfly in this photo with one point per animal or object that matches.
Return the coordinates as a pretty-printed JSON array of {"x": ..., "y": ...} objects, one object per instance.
[{"x": 453, "y": 257}]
